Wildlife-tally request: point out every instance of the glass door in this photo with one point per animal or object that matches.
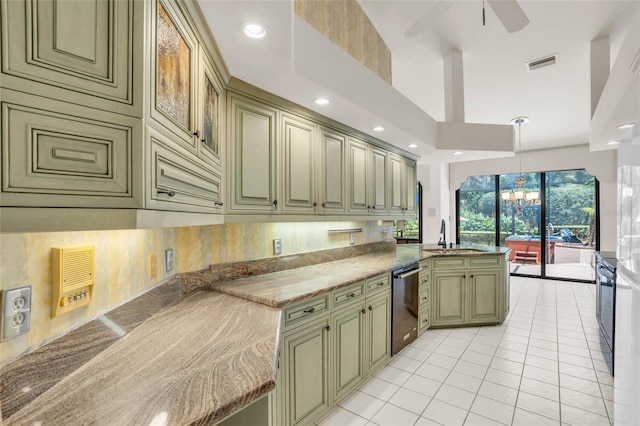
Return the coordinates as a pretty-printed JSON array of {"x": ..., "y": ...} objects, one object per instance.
[
  {"x": 570, "y": 198},
  {"x": 477, "y": 211},
  {"x": 521, "y": 222}
]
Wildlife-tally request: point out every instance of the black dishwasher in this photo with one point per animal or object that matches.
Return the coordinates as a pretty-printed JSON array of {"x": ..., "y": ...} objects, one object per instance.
[{"x": 404, "y": 311}]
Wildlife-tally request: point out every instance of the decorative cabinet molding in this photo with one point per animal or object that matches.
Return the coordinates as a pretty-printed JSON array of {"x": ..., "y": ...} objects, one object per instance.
[
  {"x": 379, "y": 193},
  {"x": 298, "y": 146},
  {"x": 85, "y": 52},
  {"x": 332, "y": 172},
  {"x": 78, "y": 158},
  {"x": 252, "y": 134},
  {"x": 358, "y": 177}
]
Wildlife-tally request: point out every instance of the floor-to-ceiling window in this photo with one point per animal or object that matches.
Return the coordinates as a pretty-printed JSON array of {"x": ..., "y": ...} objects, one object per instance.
[{"x": 548, "y": 220}]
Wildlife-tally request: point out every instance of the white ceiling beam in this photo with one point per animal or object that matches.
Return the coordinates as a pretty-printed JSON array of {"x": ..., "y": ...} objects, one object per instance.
[
  {"x": 600, "y": 50},
  {"x": 454, "y": 86}
]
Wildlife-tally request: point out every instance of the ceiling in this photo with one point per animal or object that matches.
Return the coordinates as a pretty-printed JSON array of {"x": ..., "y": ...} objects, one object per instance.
[{"x": 294, "y": 62}]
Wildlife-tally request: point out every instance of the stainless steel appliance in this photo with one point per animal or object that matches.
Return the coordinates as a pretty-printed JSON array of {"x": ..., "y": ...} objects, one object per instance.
[
  {"x": 606, "y": 295},
  {"x": 404, "y": 311}
]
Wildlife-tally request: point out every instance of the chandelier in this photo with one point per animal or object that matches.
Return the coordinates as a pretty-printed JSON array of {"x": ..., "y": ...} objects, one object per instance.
[{"x": 518, "y": 197}]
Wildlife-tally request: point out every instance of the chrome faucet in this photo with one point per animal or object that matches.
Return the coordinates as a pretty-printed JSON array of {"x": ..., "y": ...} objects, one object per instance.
[{"x": 443, "y": 239}]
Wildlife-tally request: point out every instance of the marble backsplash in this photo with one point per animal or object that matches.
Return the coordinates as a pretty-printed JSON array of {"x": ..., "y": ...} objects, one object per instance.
[{"x": 122, "y": 263}]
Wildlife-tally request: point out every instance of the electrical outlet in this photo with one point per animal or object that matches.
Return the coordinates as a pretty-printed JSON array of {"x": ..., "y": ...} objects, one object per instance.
[
  {"x": 277, "y": 246},
  {"x": 169, "y": 259},
  {"x": 16, "y": 312},
  {"x": 153, "y": 266},
  {"x": 352, "y": 239}
]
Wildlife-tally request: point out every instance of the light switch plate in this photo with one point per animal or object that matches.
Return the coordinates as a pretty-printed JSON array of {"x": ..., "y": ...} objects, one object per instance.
[
  {"x": 169, "y": 259},
  {"x": 16, "y": 312}
]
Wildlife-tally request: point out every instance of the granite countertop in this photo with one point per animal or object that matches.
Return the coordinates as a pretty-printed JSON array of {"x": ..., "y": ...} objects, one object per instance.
[
  {"x": 196, "y": 361},
  {"x": 279, "y": 289}
]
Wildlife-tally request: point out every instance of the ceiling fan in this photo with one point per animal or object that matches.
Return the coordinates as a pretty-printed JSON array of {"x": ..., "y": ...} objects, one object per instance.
[{"x": 508, "y": 12}]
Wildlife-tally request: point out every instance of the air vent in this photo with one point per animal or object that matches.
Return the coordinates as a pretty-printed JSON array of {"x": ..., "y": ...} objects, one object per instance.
[{"x": 542, "y": 62}]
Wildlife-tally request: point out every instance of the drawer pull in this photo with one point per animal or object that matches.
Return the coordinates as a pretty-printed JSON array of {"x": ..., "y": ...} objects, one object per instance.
[
  {"x": 315, "y": 204},
  {"x": 370, "y": 308},
  {"x": 218, "y": 203},
  {"x": 380, "y": 284},
  {"x": 351, "y": 295},
  {"x": 363, "y": 311},
  {"x": 324, "y": 205},
  {"x": 425, "y": 320},
  {"x": 425, "y": 298},
  {"x": 327, "y": 328},
  {"x": 309, "y": 311},
  {"x": 169, "y": 192}
]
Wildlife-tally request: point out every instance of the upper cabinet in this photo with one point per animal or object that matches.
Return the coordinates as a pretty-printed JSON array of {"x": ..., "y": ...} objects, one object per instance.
[
  {"x": 402, "y": 185},
  {"x": 83, "y": 52},
  {"x": 379, "y": 181},
  {"x": 358, "y": 177},
  {"x": 331, "y": 165},
  {"x": 298, "y": 148},
  {"x": 252, "y": 159}
]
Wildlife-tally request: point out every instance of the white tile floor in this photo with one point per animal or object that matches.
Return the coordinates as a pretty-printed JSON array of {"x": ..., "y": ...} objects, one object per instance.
[{"x": 544, "y": 365}]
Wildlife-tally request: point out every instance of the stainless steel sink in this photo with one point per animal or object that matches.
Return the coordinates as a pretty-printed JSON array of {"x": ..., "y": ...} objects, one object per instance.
[{"x": 454, "y": 251}]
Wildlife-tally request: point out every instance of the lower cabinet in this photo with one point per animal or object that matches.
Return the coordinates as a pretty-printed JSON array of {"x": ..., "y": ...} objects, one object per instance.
[
  {"x": 322, "y": 361},
  {"x": 467, "y": 296},
  {"x": 378, "y": 332},
  {"x": 347, "y": 353},
  {"x": 305, "y": 372}
]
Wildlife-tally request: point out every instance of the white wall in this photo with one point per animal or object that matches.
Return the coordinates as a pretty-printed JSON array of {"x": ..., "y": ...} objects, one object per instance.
[
  {"x": 435, "y": 204},
  {"x": 601, "y": 164}
]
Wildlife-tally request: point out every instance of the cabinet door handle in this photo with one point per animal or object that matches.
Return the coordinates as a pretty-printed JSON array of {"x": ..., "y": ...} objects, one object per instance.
[
  {"x": 425, "y": 320},
  {"x": 324, "y": 205},
  {"x": 196, "y": 133},
  {"x": 471, "y": 276},
  {"x": 315, "y": 204},
  {"x": 327, "y": 328},
  {"x": 204, "y": 141},
  {"x": 363, "y": 311},
  {"x": 424, "y": 298},
  {"x": 351, "y": 295},
  {"x": 169, "y": 192},
  {"x": 368, "y": 207},
  {"x": 309, "y": 311},
  {"x": 374, "y": 207},
  {"x": 275, "y": 203},
  {"x": 370, "y": 308},
  {"x": 464, "y": 276}
]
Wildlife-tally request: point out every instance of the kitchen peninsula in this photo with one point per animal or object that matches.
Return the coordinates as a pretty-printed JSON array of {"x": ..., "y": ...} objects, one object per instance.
[{"x": 205, "y": 355}]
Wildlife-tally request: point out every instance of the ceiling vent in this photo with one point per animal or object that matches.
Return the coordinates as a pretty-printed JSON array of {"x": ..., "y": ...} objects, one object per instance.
[{"x": 542, "y": 62}]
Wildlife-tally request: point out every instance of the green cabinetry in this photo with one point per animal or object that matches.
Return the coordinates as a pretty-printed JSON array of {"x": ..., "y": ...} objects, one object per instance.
[
  {"x": 330, "y": 344},
  {"x": 469, "y": 290}
]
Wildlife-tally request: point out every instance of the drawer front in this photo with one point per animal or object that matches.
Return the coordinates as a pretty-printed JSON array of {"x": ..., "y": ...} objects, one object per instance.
[
  {"x": 449, "y": 263},
  {"x": 424, "y": 278},
  {"x": 177, "y": 182},
  {"x": 306, "y": 310},
  {"x": 424, "y": 322},
  {"x": 377, "y": 284},
  {"x": 81, "y": 155},
  {"x": 425, "y": 264},
  {"x": 424, "y": 298},
  {"x": 345, "y": 296},
  {"x": 484, "y": 261}
]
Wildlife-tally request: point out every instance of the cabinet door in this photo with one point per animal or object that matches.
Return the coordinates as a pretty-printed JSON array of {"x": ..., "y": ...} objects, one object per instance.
[
  {"x": 306, "y": 372},
  {"x": 448, "y": 298},
  {"x": 174, "y": 75},
  {"x": 378, "y": 332},
  {"x": 358, "y": 177},
  {"x": 298, "y": 137},
  {"x": 507, "y": 286},
  {"x": 396, "y": 175},
  {"x": 378, "y": 194},
  {"x": 483, "y": 295},
  {"x": 211, "y": 105},
  {"x": 347, "y": 333},
  {"x": 253, "y": 150},
  {"x": 332, "y": 172},
  {"x": 410, "y": 186},
  {"x": 85, "y": 52}
]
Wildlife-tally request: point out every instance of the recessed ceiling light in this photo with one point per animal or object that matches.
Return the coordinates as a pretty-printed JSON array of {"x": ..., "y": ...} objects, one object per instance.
[
  {"x": 413, "y": 145},
  {"x": 612, "y": 143},
  {"x": 625, "y": 126},
  {"x": 322, "y": 101},
  {"x": 458, "y": 153},
  {"x": 378, "y": 129},
  {"x": 254, "y": 30}
]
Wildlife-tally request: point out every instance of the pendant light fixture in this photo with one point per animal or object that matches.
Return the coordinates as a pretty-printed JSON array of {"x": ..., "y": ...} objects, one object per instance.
[{"x": 518, "y": 197}]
